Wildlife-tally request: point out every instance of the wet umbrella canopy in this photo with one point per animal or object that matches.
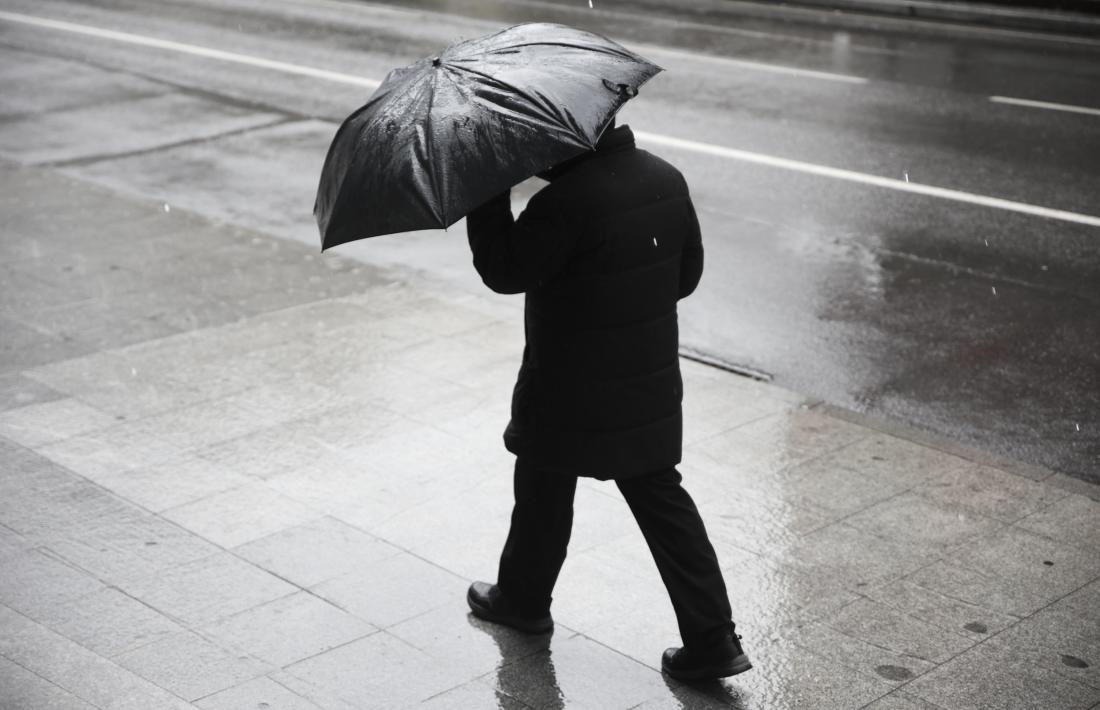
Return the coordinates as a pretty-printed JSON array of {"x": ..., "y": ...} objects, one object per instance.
[{"x": 443, "y": 135}]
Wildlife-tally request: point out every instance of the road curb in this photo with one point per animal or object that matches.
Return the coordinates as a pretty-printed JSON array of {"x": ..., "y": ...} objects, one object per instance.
[
  {"x": 928, "y": 17},
  {"x": 947, "y": 445},
  {"x": 1034, "y": 19}
]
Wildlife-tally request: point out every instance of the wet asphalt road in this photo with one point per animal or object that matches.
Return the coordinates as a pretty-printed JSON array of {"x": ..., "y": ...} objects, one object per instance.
[{"x": 968, "y": 321}]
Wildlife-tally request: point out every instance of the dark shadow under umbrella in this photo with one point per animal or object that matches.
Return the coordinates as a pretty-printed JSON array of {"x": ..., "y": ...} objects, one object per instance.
[{"x": 443, "y": 135}]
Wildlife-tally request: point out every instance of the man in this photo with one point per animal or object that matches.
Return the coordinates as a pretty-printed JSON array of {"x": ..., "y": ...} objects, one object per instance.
[{"x": 603, "y": 253}]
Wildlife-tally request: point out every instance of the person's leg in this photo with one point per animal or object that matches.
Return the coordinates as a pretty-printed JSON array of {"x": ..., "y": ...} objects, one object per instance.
[
  {"x": 685, "y": 558},
  {"x": 542, "y": 520},
  {"x": 674, "y": 531}
]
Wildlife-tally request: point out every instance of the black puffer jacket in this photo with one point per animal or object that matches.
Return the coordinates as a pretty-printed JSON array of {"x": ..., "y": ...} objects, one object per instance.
[{"x": 603, "y": 253}]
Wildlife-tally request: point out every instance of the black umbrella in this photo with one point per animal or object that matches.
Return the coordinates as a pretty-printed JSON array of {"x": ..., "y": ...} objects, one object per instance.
[{"x": 443, "y": 135}]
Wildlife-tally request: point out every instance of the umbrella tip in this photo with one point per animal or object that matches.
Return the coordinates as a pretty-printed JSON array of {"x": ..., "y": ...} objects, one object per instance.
[{"x": 436, "y": 62}]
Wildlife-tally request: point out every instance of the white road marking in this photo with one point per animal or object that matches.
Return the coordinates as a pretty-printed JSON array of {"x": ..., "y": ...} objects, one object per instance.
[
  {"x": 649, "y": 50},
  {"x": 193, "y": 49},
  {"x": 1069, "y": 108},
  {"x": 655, "y": 138},
  {"x": 866, "y": 179}
]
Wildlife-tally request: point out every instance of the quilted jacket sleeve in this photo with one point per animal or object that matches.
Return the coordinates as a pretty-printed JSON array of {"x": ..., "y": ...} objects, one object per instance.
[
  {"x": 517, "y": 255},
  {"x": 691, "y": 260}
]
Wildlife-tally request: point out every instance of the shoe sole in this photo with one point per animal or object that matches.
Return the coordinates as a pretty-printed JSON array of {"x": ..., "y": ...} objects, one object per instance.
[
  {"x": 738, "y": 664},
  {"x": 527, "y": 626}
]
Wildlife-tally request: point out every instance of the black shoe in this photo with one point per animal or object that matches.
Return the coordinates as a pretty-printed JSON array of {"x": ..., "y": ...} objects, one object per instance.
[
  {"x": 487, "y": 602},
  {"x": 719, "y": 658}
]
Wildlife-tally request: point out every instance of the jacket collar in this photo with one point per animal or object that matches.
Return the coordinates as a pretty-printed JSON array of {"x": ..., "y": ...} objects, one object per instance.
[
  {"x": 618, "y": 138},
  {"x": 612, "y": 140}
]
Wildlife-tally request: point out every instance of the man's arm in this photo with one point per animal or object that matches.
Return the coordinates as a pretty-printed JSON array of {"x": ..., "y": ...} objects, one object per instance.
[
  {"x": 515, "y": 255},
  {"x": 691, "y": 259}
]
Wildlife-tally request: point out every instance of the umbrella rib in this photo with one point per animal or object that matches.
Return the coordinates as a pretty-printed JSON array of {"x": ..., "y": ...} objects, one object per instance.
[
  {"x": 603, "y": 49},
  {"x": 433, "y": 179},
  {"x": 547, "y": 114}
]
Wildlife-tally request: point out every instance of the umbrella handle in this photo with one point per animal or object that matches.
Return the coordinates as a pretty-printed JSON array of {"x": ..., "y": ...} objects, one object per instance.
[{"x": 621, "y": 89}]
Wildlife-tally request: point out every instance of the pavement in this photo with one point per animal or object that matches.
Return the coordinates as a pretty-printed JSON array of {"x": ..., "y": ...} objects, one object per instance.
[{"x": 237, "y": 473}]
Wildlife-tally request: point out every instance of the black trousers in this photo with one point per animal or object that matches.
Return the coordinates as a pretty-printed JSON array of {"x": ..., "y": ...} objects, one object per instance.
[{"x": 542, "y": 520}]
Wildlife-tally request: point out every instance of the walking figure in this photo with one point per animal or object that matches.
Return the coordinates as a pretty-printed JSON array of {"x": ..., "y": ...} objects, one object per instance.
[{"x": 603, "y": 254}]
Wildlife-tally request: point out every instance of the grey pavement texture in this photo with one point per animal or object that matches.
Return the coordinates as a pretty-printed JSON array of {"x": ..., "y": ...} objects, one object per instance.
[{"x": 236, "y": 473}]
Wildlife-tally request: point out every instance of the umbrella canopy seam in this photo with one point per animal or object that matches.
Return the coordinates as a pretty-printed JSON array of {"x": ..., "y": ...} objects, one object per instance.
[
  {"x": 547, "y": 113},
  {"x": 511, "y": 48}
]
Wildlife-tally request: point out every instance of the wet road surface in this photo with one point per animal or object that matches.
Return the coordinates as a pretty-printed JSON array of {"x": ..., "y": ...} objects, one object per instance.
[{"x": 977, "y": 323}]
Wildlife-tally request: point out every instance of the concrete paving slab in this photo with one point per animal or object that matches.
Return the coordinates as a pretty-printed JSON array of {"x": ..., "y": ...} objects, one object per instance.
[
  {"x": 104, "y": 324},
  {"x": 888, "y": 628},
  {"x": 577, "y": 672},
  {"x": 23, "y": 689},
  {"x": 109, "y": 451},
  {"x": 833, "y": 490},
  {"x": 849, "y": 556},
  {"x": 393, "y": 590},
  {"x": 456, "y": 638},
  {"x": 173, "y": 482},
  {"x": 773, "y": 443},
  {"x": 769, "y": 598},
  {"x": 117, "y": 383},
  {"x": 37, "y": 84},
  {"x": 236, "y": 178},
  {"x": 190, "y": 666},
  {"x": 787, "y": 676},
  {"x": 317, "y": 551},
  {"x": 36, "y": 583},
  {"x": 859, "y": 655},
  {"x": 1074, "y": 518},
  {"x": 208, "y": 589},
  {"x": 51, "y": 505},
  {"x": 463, "y": 526},
  {"x": 46, "y": 422},
  {"x": 23, "y": 346},
  {"x": 241, "y": 514},
  {"x": 911, "y": 518},
  {"x": 17, "y": 390},
  {"x": 23, "y": 294},
  {"x": 901, "y": 701},
  {"x": 1012, "y": 571},
  {"x": 260, "y": 692},
  {"x": 289, "y": 629},
  {"x": 12, "y": 542},
  {"x": 109, "y": 622},
  {"x": 353, "y": 674},
  {"x": 743, "y": 514},
  {"x": 81, "y": 672},
  {"x": 888, "y": 458},
  {"x": 1063, "y": 638},
  {"x": 992, "y": 677},
  {"x": 123, "y": 126},
  {"x": 991, "y": 492},
  {"x": 971, "y": 620},
  {"x": 477, "y": 694},
  {"x": 126, "y": 551}
]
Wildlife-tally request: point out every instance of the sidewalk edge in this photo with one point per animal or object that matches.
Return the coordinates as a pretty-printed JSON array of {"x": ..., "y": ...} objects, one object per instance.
[{"x": 947, "y": 445}]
